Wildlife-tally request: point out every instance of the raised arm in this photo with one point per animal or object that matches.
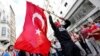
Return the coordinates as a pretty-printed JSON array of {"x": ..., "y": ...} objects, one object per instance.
[{"x": 52, "y": 24}]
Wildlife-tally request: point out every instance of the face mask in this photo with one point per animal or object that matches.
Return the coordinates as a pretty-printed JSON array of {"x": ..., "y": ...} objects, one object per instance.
[{"x": 57, "y": 24}]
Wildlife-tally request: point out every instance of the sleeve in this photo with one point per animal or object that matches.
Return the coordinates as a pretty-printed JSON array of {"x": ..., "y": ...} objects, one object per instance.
[
  {"x": 5, "y": 54},
  {"x": 52, "y": 24}
]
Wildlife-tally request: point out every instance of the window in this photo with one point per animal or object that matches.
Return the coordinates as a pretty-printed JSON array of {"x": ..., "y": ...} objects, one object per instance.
[
  {"x": 83, "y": 10},
  {"x": 73, "y": 21},
  {"x": 3, "y": 31},
  {"x": 4, "y": 19},
  {"x": 60, "y": 12},
  {"x": 95, "y": 15},
  {"x": 65, "y": 4}
]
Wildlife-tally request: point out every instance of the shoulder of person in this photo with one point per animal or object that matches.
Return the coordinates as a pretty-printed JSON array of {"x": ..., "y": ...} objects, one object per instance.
[
  {"x": 5, "y": 53},
  {"x": 67, "y": 21}
]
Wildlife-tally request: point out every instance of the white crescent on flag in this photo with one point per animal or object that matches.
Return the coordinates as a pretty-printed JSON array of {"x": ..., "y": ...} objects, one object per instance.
[{"x": 39, "y": 17}]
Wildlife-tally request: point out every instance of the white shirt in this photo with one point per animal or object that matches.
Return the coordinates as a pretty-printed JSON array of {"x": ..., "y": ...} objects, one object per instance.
[{"x": 57, "y": 44}]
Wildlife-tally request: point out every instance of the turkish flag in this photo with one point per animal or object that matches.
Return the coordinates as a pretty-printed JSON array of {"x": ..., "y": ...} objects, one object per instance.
[{"x": 33, "y": 38}]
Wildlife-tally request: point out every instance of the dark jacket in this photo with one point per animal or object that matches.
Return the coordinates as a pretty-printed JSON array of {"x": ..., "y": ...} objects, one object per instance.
[
  {"x": 22, "y": 53},
  {"x": 68, "y": 46},
  {"x": 62, "y": 36}
]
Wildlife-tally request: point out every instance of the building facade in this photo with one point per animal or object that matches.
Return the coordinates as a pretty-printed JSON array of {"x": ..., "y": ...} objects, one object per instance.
[
  {"x": 7, "y": 25},
  {"x": 82, "y": 12},
  {"x": 11, "y": 23}
]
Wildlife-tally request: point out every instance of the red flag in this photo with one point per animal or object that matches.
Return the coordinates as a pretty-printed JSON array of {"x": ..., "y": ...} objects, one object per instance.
[{"x": 33, "y": 38}]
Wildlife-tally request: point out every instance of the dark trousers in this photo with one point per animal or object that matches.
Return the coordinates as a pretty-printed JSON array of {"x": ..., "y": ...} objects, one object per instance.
[
  {"x": 70, "y": 49},
  {"x": 59, "y": 52},
  {"x": 54, "y": 54},
  {"x": 85, "y": 47}
]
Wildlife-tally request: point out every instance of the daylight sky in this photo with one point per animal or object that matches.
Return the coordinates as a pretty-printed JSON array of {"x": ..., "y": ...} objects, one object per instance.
[{"x": 19, "y": 9}]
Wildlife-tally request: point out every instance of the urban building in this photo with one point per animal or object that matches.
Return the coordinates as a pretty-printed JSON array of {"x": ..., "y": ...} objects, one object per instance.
[
  {"x": 7, "y": 25},
  {"x": 11, "y": 23},
  {"x": 82, "y": 12}
]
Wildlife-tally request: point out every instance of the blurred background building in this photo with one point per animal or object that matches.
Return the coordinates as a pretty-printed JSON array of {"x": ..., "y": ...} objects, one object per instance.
[
  {"x": 82, "y": 12},
  {"x": 7, "y": 25}
]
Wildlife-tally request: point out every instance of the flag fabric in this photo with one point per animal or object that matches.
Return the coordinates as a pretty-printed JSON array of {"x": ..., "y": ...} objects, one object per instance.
[{"x": 33, "y": 39}]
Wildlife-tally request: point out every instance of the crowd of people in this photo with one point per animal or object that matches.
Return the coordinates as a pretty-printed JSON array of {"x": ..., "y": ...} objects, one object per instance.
[{"x": 88, "y": 38}]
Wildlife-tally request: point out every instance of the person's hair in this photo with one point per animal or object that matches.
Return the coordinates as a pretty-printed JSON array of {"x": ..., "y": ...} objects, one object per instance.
[
  {"x": 22, "y": 53},
  {"x": 9, "y": 47},
  {"x": 98, "y": 21},
  {"x": 68, "y": 23},
  {"x": 85, "y": 25}
]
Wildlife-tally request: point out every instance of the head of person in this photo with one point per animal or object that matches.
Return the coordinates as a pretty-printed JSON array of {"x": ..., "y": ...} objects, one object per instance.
[
  {"x": 85, "y": 26},
  {"x": 90, "y": 24},
  {"x": 57, "y": 23},
  {"x": 98, "y": 21},
  {"x": 66, "y": 22},
  {"x": 10, "y": 48}
]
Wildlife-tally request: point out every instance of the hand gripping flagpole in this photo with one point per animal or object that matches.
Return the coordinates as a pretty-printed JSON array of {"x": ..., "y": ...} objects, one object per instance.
[{"x": 55, "y": 15}]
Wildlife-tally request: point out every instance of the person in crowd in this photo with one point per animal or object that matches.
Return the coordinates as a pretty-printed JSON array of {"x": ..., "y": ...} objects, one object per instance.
[
  {"x": 91, "y": 39},
  {"x": 53, "y": 51},
  {"x": 76, "y": 39},
  {"x": 92, "y": 28},
  {"x": 31, "y": 54},
  {"x": 58, "y": 47},
  {"x": 98, "y": 23},
  {"x": 22, "y": 53},
  {"x": 10, "y": 51},
  {"x": 68, "y": 46},
  {"x": 16, "y": 51},
  {"x": 95, "y": 34},
  {"x": 83, "y": 36}
]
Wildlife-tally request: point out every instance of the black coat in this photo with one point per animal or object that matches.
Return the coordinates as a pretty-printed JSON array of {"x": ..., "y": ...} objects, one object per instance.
[
  {"x": 22, "y": 53},
  {"x": 68, "y": 46},
  {"x": 62, "y": 36}
]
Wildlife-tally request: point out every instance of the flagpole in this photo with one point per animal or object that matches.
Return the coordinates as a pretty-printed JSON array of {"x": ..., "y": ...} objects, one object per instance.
[{"x": 53, "y": 13}]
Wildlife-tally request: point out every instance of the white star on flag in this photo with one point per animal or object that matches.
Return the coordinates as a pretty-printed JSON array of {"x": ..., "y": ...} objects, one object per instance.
[{"x": 38, "y": 31}]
